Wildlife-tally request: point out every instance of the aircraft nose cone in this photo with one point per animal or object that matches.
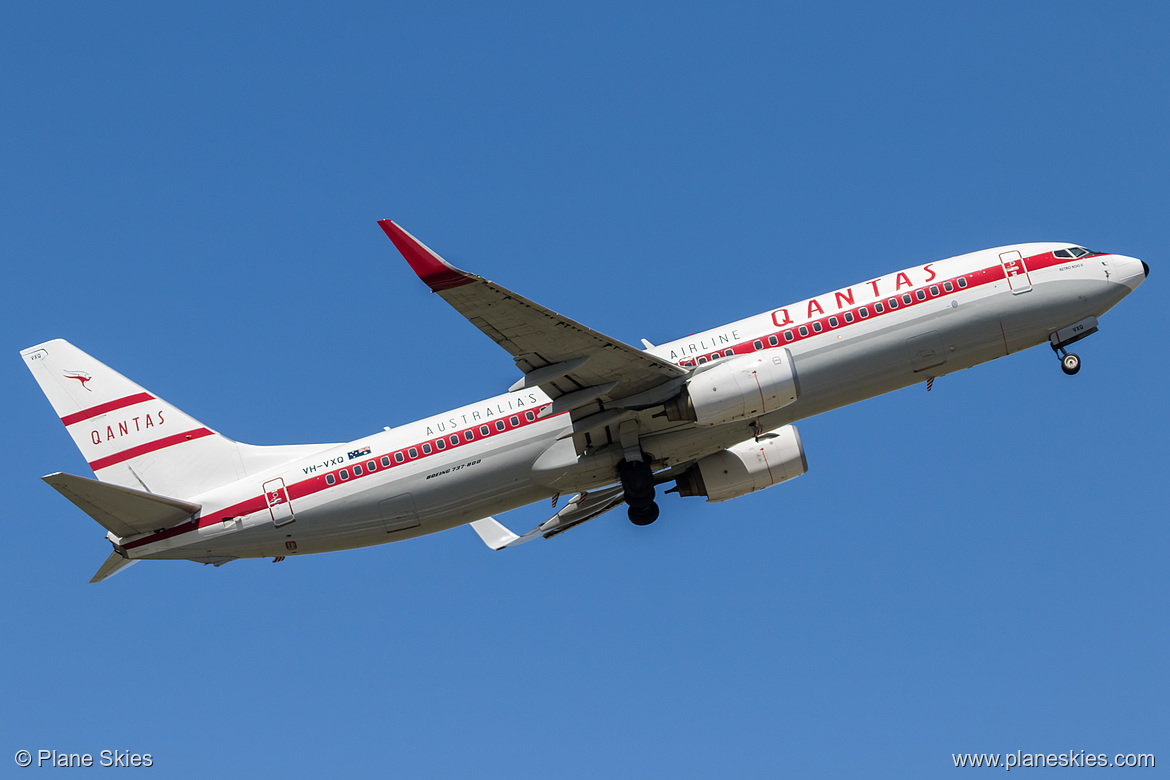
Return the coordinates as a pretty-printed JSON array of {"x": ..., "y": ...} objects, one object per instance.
[{"x": 1146, "y": 268}]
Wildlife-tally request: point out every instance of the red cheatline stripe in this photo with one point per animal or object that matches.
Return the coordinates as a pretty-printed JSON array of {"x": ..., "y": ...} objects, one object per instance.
[
  {"x": 142, "y": 449},
  {"x": 108, "y": 406},
  {"x": 317, "y": 483}
]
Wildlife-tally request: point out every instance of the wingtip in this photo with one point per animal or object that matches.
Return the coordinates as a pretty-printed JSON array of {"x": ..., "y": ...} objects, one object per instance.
[{"x": 435, "y": 272}]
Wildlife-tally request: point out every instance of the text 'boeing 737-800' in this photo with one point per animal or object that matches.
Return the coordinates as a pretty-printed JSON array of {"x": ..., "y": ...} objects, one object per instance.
[{"x": 710, "y": 415}]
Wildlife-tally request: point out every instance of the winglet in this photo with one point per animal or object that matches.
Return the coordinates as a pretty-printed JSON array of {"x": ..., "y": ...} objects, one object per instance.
[
  {"x": 436, "y": 272},
  {"x": 493, "y": 534}
]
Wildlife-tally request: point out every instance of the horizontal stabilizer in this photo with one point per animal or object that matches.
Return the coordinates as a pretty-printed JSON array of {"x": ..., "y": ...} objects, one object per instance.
[
  {"x": 581, "y": 507},
  {"x": 114, "y": 564},
  {"x": 493, "y": 534},
  {"x": 123, "y": 511}
]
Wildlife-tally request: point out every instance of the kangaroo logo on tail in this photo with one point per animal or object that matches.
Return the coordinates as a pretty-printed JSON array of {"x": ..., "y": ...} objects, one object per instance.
[{"x": 80, "y": 376}]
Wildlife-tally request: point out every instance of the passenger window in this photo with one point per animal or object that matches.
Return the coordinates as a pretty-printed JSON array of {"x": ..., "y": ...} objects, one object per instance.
[
  {"x": 530, "y": 416},
  {"x": 864, "y": 312},
  {"x": 468, "y": 435},
  {"x": 804, "y": 330},
  {"x": 774, "y": 341},
  {"x": 878, "y": 308},
  {"x": 399, "y": 457},
  {"x": 412, "y": 452},
  {"x": 357, "y": 470},
  {"x": 484, "y": 430},
  {"x": 906, "y": 298},
  {"x": 514, "y": 421},
  {"x": 344, "y": 474},
  {"x": 426, "y": 448},
  {"x": 728, "y": 352},
  {"x": 385, "y": 462},
  {"x": 441, "y": 444},
  {"x": 818, "y": 327},
  {"x": 330, "y": 479},
  {"x": 849, "y": 316},
  {"x": 371, "y": 466},
  {"x": 499, "y": 425},
  {"x": 788, "y": 335},
  {"x": 962, "y": 281},
  {"x": 920, "y": 295},
  {"x": 702, "y": 360},
  {"x": 948, "y": 287},
  {"x": 454, "y": 439},
  {"x": 832, "y": 322},
  {"x": 934, "y": 289},
  {"x": 893, "y": 303},
  {"x": 757, "y": 344}
]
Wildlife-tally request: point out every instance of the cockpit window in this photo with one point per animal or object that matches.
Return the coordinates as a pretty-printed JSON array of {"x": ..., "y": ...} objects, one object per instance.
[{"x": 1072, "y": 253}]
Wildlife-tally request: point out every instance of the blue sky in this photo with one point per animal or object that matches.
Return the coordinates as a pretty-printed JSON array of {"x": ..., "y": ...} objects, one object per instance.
[{"x": 190, "y": 194}]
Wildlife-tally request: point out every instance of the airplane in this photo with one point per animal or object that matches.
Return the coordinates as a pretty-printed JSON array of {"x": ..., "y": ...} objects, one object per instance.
[{"x": 590, "y": 417}]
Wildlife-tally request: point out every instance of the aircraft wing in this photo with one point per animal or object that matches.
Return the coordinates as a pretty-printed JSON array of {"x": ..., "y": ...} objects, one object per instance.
[{"x": 573, "y": 364}]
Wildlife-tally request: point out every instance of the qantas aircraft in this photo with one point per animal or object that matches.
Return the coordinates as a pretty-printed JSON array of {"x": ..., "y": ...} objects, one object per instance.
[{"x": 590, "y": 418}]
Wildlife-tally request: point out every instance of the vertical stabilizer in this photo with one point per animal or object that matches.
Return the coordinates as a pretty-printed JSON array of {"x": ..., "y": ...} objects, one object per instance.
[{"x": 133, "y": 438}]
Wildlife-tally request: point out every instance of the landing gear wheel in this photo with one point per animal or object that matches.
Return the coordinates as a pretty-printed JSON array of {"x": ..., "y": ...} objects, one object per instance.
[
  {"x": 638, "y": 484},
  {"x": 644, "y": 515},
  {"x": 1070, "y": 364}
]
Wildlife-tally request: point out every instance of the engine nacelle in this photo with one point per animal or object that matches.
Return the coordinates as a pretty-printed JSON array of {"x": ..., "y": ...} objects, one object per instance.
[
  {"x": 746, "y": 467},
  {"x": 737, "y": 388}
]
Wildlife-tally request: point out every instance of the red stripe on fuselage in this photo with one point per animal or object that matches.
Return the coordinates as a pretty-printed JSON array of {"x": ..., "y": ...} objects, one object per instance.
[
  {"x": 108, "y": 406},
  {"x": 317, "y": 483},
  {"x": 143, "y": 449},
  {"x": 989, "y": 275}
]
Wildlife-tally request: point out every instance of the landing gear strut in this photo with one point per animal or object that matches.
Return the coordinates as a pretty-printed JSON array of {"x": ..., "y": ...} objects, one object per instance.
[{"x": 638, "y": 482}]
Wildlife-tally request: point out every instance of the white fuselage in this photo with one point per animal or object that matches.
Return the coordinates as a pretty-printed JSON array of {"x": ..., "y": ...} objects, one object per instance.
[{"x": 499, "y": 454}]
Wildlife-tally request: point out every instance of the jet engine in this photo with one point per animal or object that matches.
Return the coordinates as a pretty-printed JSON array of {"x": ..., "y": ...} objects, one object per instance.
[
  {"x": 748, "y": 466},
  {"x": 737, "y": 388}
]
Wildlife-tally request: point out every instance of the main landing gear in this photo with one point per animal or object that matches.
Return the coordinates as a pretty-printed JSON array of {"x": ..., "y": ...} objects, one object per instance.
[{"x": 638, "y": 482}]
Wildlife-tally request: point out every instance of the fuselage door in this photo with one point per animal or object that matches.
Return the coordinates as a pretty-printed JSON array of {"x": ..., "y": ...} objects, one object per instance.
[
  {"x": 276, "y": 495},
  {"x": 1017, "y": 274}
]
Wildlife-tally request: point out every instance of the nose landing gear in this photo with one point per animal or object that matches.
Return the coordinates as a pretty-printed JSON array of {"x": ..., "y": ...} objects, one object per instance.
[{"x": 1070, "y": 363}]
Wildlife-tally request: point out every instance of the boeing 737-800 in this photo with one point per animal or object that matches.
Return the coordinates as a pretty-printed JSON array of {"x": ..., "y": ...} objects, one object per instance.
[{"x": 590, "y": 417}]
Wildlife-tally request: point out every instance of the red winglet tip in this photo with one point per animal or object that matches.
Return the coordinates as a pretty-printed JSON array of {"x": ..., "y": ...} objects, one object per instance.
[{"x": 435, "y": 272}]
